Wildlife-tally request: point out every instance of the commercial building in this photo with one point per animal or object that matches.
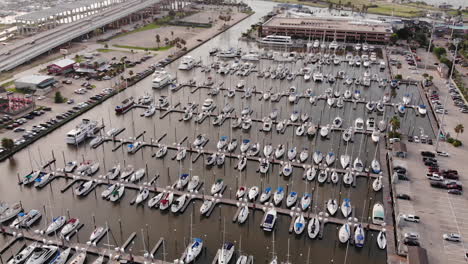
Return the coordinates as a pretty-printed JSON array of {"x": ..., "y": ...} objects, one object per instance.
[
  {"x": 340, "y": 29},
  {"x": 42, "y": 84},
  {"x": 61, "y": 67}
]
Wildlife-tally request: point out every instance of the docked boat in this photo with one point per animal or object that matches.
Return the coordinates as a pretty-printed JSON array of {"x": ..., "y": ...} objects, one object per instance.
[
  {"x": 291, "y": 199},
  {"x": 253, "y": 193},
  {"x": 82, "y": 131},
  {"x": 206, "y": 206},
  {"x": 344, "y": 233},
  {"x": 11, "y": 212},
  {"x": 142, "y": 196},
  {"x": 311, "y": 130},
  {"x": 304, "y": 155},
  {"x": 123, "y": 106},
  {"x": 222, "y": 143},
  {"x": 243, "y": 214},
  {"x": 113, "y": 173},
  {"x": 179, "y": 203},
  {"x": 217, "y": 186},
  {"x": 193, "y": 183},
  {"x": 292, "y": 153},
  {"x": 150, "y": 111},
  {"x": 359, "y": 123},
  {"x": 226, "y": 253},
  {"x": 266, "y": 194},
  {"x": 401, "y": 109},
  {"x": 110, "y": 188},
  {"x": 127, "y": 173},
  {"x": 334, "y": 177},
  {"x": 348, "y": 178},
  {"x": 358, "y": 165},
  {"x": 242, "y": 163},
  {"x": 132, "y": 147},
  {"x": 359, "y": 236},
  {"x": 193, "y": 250},
  {"x": 161, "y": 79},
  {"x": 279, "y": 152},
  {"x": 44, "y": 179},
  {"x": 155, "y": 200},
  {"x": 70, "y": 166},
  {"x": 269, "y": 220},
  {"x": 181, "y": 154},
  {"x": 375, "y": 165},
  {"x": 375, "y": 136},
  {"x": 382, "y": 240},
  {"x": 97, "y": 234},
  {"x": 330, "y": 158},
  {"x": 313, "y": 228},
  {"x": 370, "y": 124},
  {"x": 138, "y": 175},
  {"x": 117, "y": 193},
  {"x": 162, "y": 151},
  {"x": 322, "y": 176},
  {"x": 232, "y": 145},
  {"x": 182, "y": 181},
  {"x": 78, "y": 258},
  {"x": 346, "y": 207},
  {"x": 378, "y": 215},
  {"x": 299, "y": 224},
  {"x": 300, "y": 130},
  {"x": 24, "y": 254},
  {"x": 317, "y": 157},
  {"x": 306, "y": 200},
  {"x": 318, "y": 77},
  {"x": 377, "y": 184},
  {"x": 345, "y": 160},
  {"x": 84, "y": 188},
  {"x": 274, "y": 114},
  {"x": 422, "y": 109},
  {"x": 310, "y": 173},
  {"x": 332, "y": 206},
  {"x": 287, "y": 169},
  {"x": 71, "y": 226},
  {"x": 166, "y": 201},
  {"x": 254, "y": 150},
  {"x": 55, "y": 225},
  {"x": 280, "y": 126},
  {"x": 337, "y": 122},
  {"x": 61, "y": 257},
  {"x": 278, "y": 196},
  {"x": 245, "y": 145},
  {"x": 294, "y": 116},
  {"x": 31, "y": 177},
  {"x": 186, "y": 63},
  {"x": 406, "y": 99},
  {"x": 241, "y": 192},
  {"x": 382, "y": 126},
  {"x": 30, "y": 218},
  {"x": 267, "y": 150},
  {"x": 41, "y": 255},
  {"x": 324, "y": 131}
]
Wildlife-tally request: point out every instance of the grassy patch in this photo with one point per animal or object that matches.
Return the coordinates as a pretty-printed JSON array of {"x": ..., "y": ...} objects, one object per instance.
[
  {"x": 4, "y": 85},
  {"x": 301, "y": 3},
  {"x": 396, "y": 10},
  {"x": 161, "y": 22},
  {"x": 21, "y": 91},
  {"x": 105, "y": 50},
  {"x": 143, "y": 48}
]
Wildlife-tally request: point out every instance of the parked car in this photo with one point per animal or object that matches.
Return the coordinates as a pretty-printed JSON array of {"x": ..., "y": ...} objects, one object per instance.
[
  {"x": 455, "y": 191},
  {"x": 428, "y": 154},
  {"x": 452, "y": 237},
  {"x": 438, "y": 184},
  {"x": 411, "y": 218},
  {"x": 411, "y": 236},
  {"x": 403, "y": 196}
]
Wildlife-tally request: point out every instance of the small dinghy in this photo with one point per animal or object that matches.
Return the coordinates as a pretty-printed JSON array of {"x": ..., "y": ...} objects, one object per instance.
[
  {"x": 332, "y": 206},
  {"x": 346, "y": 207},
  {"x": 344, "y": 233},
  {"x": 266, "y": 194},
  {"x": 313, "y": 228},
  {"x": 299, "y": 224}
]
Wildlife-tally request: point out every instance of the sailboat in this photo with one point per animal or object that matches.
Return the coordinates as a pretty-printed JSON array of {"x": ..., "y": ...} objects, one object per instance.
[
  {"x": 346, "y": 207},
  {"x": 345, "y": 160},
  {"x": 193, "y": 250},
  {"x": 382, "y": 240},
  {"x": 359, "y": 236},
  {"x": 299, "y": 224},
  {"x": 344, "y": 233},
  {"x": 243, "y": 214},
  {"x": 348, "y": 178},
  {"x": 330, "y": 158},
  {"x": 313, "y": 228},
  {"x": 291, "y": 199},
  {"x": 265, "y": 196},
  {"x": 332, "y": 206},
  {"x": 278, "y": 196},
  {"x": 377, "y": 184},
  {"x": 310, "y": 173}
]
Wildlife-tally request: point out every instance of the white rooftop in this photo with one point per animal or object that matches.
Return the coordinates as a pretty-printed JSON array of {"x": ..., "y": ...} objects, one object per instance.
[
  {"x": 34, "y": 79},
  {"x": 64, "y": 62}
]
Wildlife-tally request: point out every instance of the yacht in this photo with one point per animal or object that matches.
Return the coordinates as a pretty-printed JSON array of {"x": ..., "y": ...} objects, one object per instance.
[
  {"x": 318, "y": 77},
  {"x": 208, "y": 105},
  {"x": 81, "y": 132},
  {"x": 193, "y": 250},
  {"x": 229, "y": 53},
  {"x": 333, "y": 45},
  {"x": 24, "y": 254},
  {"x": 226, "y": 253},
  {"x": 359, "y": 124},
  {"x": 187, "y": 63},
  {"x": 269, "y": 220},
  {"x": 124, "y": 105},
  {"x": 422, "y": 109},
  {"x": 56, "y": 224},
  {"x": 313, "y": 228},
  {"x": 161, "y": 79},
  {"x": 276, "y": 40},
  {"x": 42, "y": 254},
  {"x": 71, "y": 226},
  {"x": 378, "y": 215}
]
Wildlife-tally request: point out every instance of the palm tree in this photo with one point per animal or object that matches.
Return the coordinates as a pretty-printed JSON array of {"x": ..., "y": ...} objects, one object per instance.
[
  {"x": 172, "y": 34},
  {"x": 395, "y": 123},
  {"x": 8, "y": 144},
  {"x": 459, "y": 129},
  {"x": 158, "y": 40}
]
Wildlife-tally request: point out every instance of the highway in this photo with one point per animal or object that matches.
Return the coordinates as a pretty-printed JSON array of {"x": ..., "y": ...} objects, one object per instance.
[{"x": 27, "y": 49}]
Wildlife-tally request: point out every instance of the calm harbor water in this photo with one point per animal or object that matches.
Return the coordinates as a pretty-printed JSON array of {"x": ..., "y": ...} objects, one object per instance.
[{"x": 176, "y": 228}]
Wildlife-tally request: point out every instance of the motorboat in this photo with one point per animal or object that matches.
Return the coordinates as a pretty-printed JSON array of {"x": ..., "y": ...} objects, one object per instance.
[
  {"x": 206, "y": 206},
  {"x": 211, "y": 159},
  {"x": 310, "y": 173},
  {"x": 313, "y": 228},
  {"x": 357, "y": 94},
  {"x": 279, "y": 152},
  {"x": 208, "y": 105},
  {"x": 138, "y": 175},
  {"x": 378, "y": 215},
  {"x": 180, "y": 155},
  {"x": 382, "y": 125},
  {"x": 241, "y": 192},
  {"x": 182, "y": 181},
  {"x": 117, "y": 193},
  {"x": 318, "y": 77},
  {"x": 382, "y": 240},
  {"x": 330, "y": 158},
  {"x": 123, "y": 106},
  {"x": 162, "y": 151},
  {"x": 155, "y": 200},
  {"x": 380, "y": 107},
  {"x": 332, "y": 206},
  {"x": 269, "y": 220},
  {"x": 358, "y": 165},
  {"x": 71, "y": 226},
  {"x": 406, "y": 99},
  {"x": 193, "y": 250},
  {"x": 243, "y": 214},
  {"x": 287, "y": 169},
  {"x": 242, "y": 163},
  {"x": 292, "y": 97},
  {"x": 44, "y": 179},
  {"x": 150, "y": 111},
  {"x": 226, "y": 253},
  {"x": 217, "y": 186},
  {"x": 254, "y": 150},
  {"x": 377, "y": 184},
  {"x": 344, "y": 233},
  {"x": 97, "y": 234},
  {"x": 291, "y": 199},
  {"x": 345, "y": 160},
  {"x": 348, "y": 134},
  {"x": 84, "y": 188},
  {"x": 11, "y": 212},
  {"x": 31, "y": 177},
  {"x": 299, "y": 224},
  {"x": 306, "y": 200},
  {"x": 161, "y": 79},
  {"x": 347, "y": 94},
  {"x": 70, "y": 166},
  {"x": 199, "y": 141},
  {"x": 178, "y": 203},
  {"x": 61, "y": 257},
  {"x": 186, "y": 63},
  {"x": 30, "y": 218},
  {"x": 142, "y": 196},
  {"x": 359, "y": 236},
  {"x": 245, "y": 145},
  {"x": 132, "y": 147},
  {"x": 304, "y": 155},
  {"x": 24, "y": 254},
  {"x": 346, "y": 207},
  {"x": 127, "y": 172},
  {"x": 375, "y": 136},
  {"x": 422, "y": 109},
  {"x": 317, "y": 156},
  {"x": 55, "y": 225},
  {"x": 193, "y": 183},
  {"x": 266, "y": 194},
  {"x": 274, "y": 114},
  {"x": 359, "y": 123},
  {"x": 113, "y": 173},
  {"x": 278, "y": 196},
  {"x": 232, "y": 145},
  {"x": 108, "y": 191},
  {"x": 311, "y": 130},
  {"x": 370, "y": 123},
  {"x": 292, "y": 153},
  {"x": 280, "y": 126},
  {"x": 253, "y": 193},
  {"x": 41, "y": 255},
  {"x": 166, "y": 201},
  {"x": 370, "y": 106},
  {"x": 82, "y": 131}
]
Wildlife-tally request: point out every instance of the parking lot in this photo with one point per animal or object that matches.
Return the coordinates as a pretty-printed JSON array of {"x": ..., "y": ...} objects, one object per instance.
[{"x": 439, "y": 211}]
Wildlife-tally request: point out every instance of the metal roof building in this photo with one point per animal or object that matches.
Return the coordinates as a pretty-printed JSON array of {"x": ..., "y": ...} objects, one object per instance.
[{"x": 34, "y": 82}]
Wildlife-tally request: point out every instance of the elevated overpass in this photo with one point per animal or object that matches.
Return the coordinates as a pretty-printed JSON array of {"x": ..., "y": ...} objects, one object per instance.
[{"x": 27, "y": 49}]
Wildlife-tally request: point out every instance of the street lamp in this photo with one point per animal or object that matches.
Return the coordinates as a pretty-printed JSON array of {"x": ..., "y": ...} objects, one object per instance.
[{"x": 455, "y": 42}]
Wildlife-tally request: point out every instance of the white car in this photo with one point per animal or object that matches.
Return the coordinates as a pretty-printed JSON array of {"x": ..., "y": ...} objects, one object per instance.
[
  {"x": 412, "y": 236},
  {"x": 442, "y": 154},
  {"x": 452, "y": 237},
  {"x": 435, "y": 177},
  {"x": 411, "y": 218},
  {"x": 416, "y": 139}
]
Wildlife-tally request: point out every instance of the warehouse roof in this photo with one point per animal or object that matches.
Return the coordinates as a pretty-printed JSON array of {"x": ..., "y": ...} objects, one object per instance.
[
  {"x": 34, "y": 79},
  {"x": 63, "y": 62},
  {"x": 330, "y": 24}
]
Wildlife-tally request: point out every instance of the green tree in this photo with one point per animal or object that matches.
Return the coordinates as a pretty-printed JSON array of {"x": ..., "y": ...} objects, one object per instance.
[
  {"x": 459, "y": 129},
  {"x": 158, "y": 40},
  {"x": 130, "y": 73},
  {"x": 58, "y": 99},
  {"x": 395, "y": 123},
  {"x": 394, "y": 38},
  {"x": 172, "y": 35},
  {"x": 439, "y": 52},
  {"x": 8, "y": 144}
]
